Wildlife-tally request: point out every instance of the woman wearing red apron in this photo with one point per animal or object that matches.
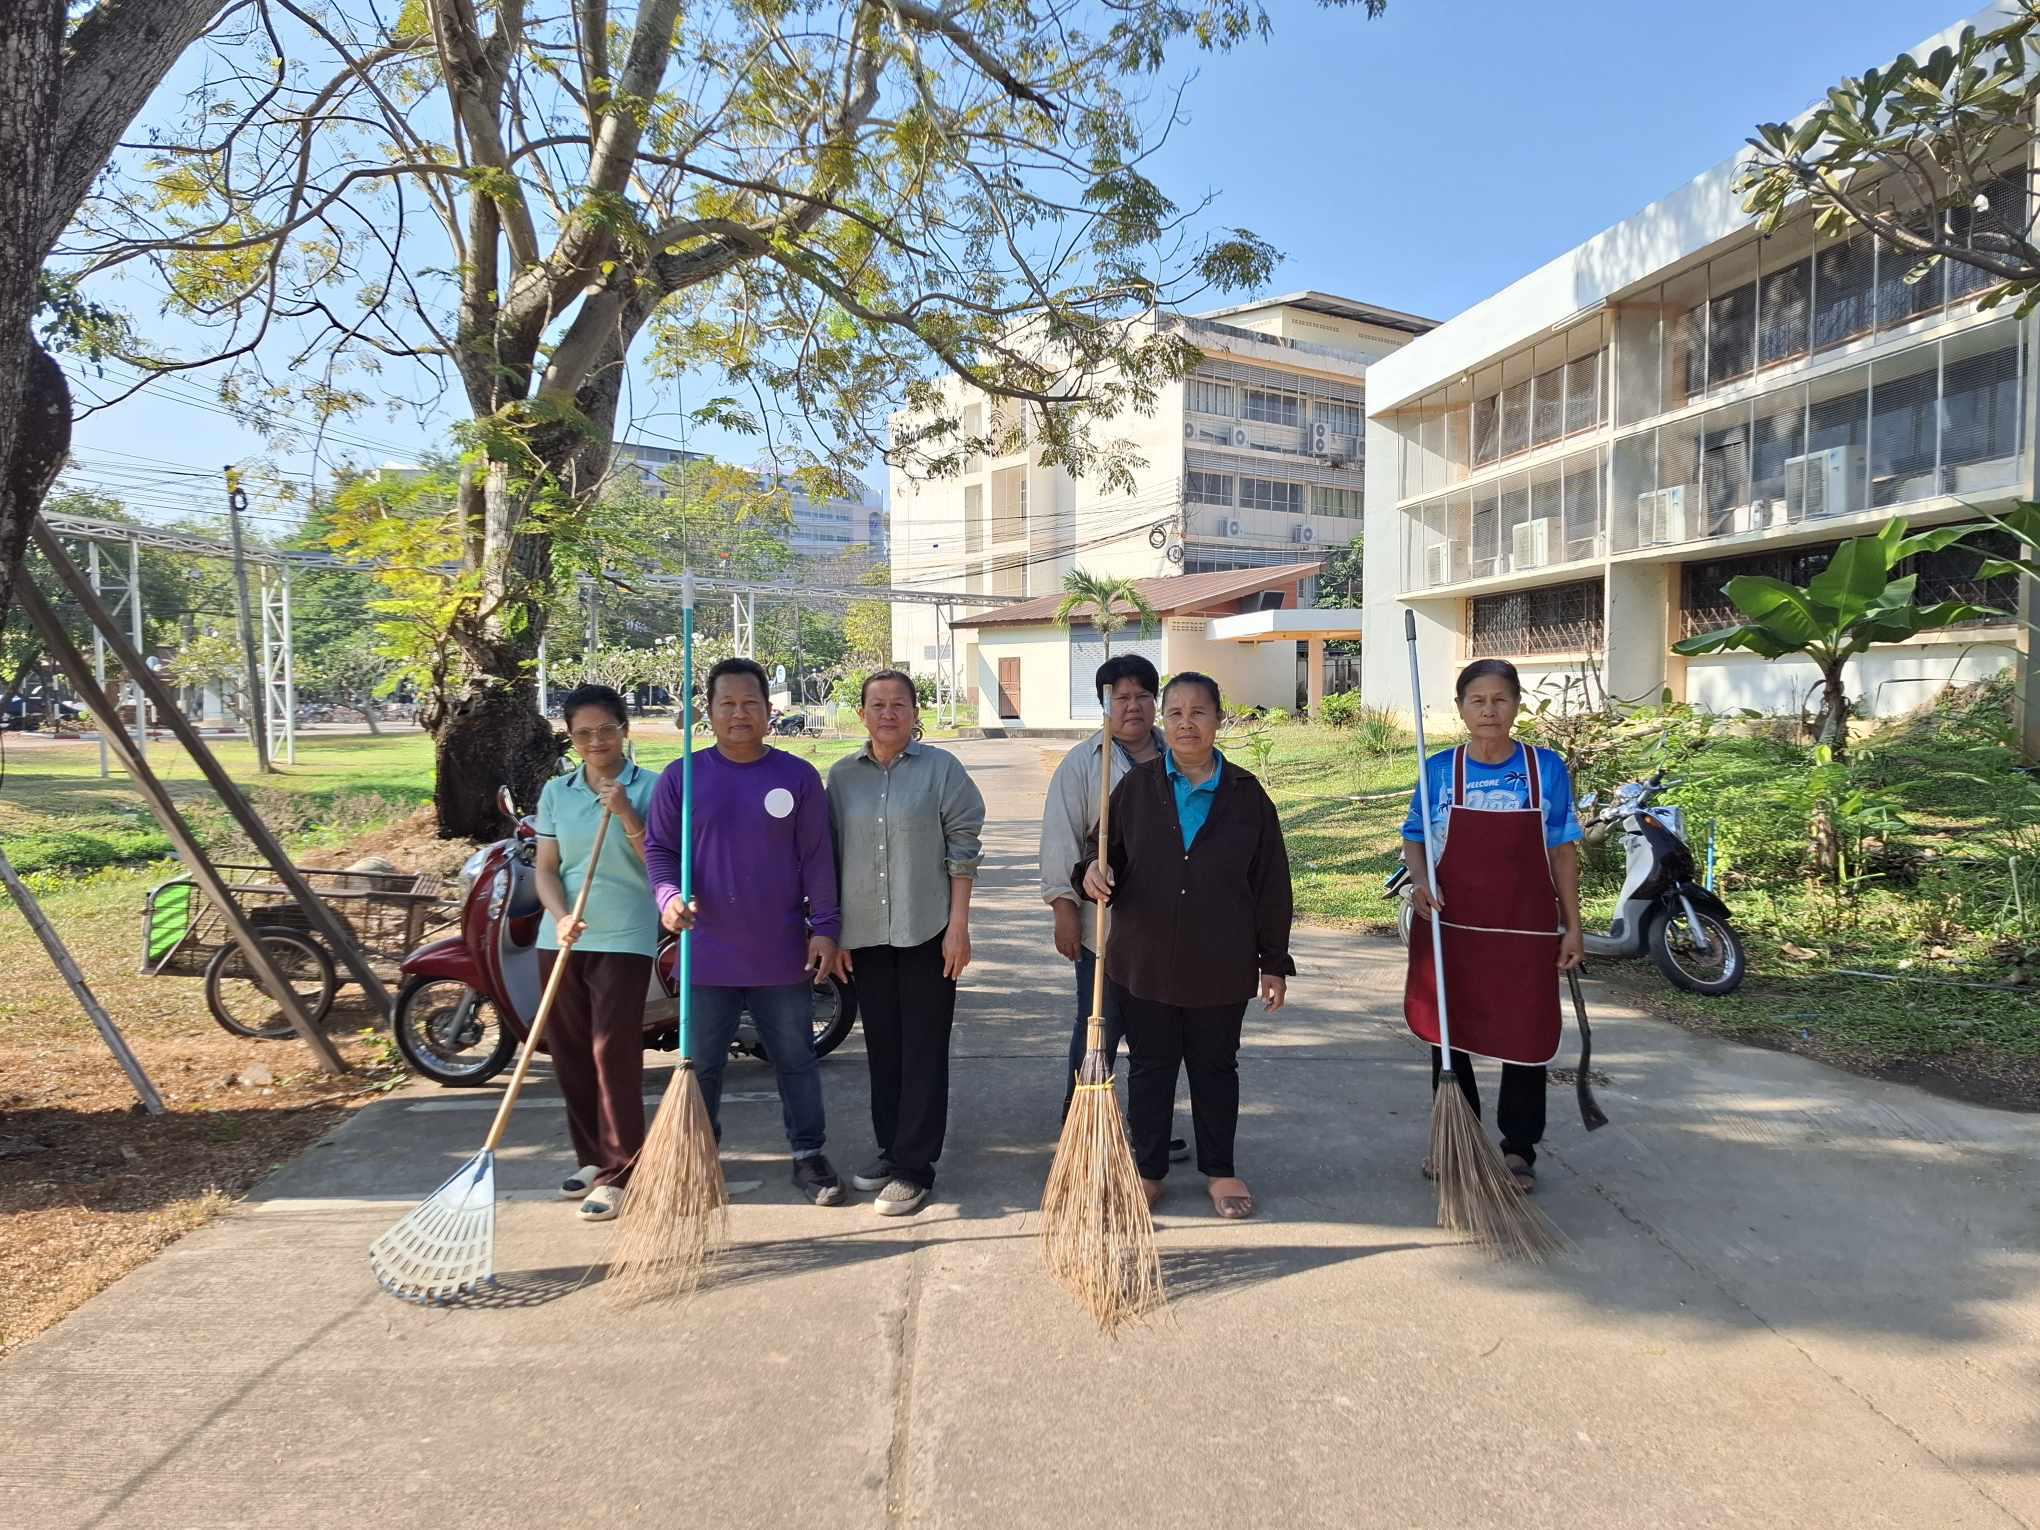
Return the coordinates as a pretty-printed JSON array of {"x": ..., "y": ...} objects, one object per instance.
[{"x": 1509, "y": 896}]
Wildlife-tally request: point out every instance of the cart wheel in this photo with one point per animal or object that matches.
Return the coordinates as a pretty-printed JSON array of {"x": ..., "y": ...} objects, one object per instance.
[{"x": 243, "y": 1006}]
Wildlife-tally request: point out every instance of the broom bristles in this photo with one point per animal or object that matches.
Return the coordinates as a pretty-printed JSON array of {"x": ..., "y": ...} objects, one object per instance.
[
  {"x": 1097, "y": 1233},
  {"x": 676, "y": 1212},
  {"x": 1476, "y": 1193}
]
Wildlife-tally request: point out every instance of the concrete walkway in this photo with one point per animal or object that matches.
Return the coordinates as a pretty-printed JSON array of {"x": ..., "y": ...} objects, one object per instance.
[{"x": 1797, "y": 1298}]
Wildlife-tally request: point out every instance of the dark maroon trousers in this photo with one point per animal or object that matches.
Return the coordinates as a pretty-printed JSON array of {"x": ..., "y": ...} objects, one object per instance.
[{"x": 596, "y": 1037}]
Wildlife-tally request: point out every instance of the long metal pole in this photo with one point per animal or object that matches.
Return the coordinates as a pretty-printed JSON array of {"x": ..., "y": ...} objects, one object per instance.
[
  {"x": 258, "y": 693},
  {"x": 98, "y": 647},
  {"x": 102, "y": 1022},
  {"x": 137, "y": 637},
  {"x": 336, "y": 936},
  {"x": 203, "y": 872}
]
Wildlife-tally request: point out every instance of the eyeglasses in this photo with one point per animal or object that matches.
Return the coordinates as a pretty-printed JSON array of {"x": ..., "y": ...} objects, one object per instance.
[{"x": 604, "y": 735}]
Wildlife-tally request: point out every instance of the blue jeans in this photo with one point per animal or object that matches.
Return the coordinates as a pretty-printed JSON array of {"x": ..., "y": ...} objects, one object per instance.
[
  {"x": 1087, "y": 967},
  {"x": 784, "y": 1017}
]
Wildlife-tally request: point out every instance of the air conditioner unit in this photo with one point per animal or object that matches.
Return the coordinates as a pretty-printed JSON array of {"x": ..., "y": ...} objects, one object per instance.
[
  {"x": 1661, "y": 516},
  {"x": 1823, "y": 483},
  {"x": 1303, "y": 534},
  {"x": 1530, "y": 544},
  {"x": 1189, "y": 431},
  {"x": 1239, "y": 435},
  {"x": 1437, "y": 565},
  {"x": 1229, "y": 525},
  {"x": 1320, "y": 439}
]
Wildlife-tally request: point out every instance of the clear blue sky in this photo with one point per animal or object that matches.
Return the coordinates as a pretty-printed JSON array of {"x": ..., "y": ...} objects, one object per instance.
[{"x": 1421, "y": 161}]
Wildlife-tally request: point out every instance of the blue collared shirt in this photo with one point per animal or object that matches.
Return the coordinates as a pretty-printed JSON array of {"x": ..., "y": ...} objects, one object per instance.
[{"x": 1193, "y": 802}]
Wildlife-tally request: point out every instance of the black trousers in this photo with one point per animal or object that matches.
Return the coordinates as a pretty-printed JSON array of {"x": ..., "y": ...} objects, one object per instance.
[
  {"x": 1520, "y": 1110},
  {"x": 908, "y": 1009},
  {"x": 1202, "y": 1042}
]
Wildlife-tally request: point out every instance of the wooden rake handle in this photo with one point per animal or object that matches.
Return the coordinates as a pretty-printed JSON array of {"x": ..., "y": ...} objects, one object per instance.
[{"x": 545, "y": 1003}]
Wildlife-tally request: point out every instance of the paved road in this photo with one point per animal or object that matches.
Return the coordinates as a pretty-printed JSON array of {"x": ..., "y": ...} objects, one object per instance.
[{"x": 1797, "y": 1299}]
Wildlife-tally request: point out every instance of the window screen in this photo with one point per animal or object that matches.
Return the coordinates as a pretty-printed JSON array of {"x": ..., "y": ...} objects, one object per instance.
[
  {"x": 1207, "y": 488},
  {"x": 1087, "y": 652},
  {"x": 1269, "y": 406},
  {"x": 1270, "y": 494},
  {"x": 1558, "y": 618}
]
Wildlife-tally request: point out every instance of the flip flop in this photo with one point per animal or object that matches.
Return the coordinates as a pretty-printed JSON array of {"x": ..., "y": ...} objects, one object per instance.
[
  {"x": 1152, "y": 1189},
  {"x": 1520, "y": 1171}
]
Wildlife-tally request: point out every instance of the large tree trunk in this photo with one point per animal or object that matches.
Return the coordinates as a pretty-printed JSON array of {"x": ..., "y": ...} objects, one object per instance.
[
  {"x": 493, "y": 737},
  {"x": 31, "y": 71}
]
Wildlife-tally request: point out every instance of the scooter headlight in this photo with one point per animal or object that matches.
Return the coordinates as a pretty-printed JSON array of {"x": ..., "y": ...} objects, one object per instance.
[{"x": 471, "y": 869}]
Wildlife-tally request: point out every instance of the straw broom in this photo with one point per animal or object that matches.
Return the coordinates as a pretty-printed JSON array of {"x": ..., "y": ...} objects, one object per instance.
[
  {"x": 1096, "y": 1231},
  {"x": 1476, "y": 1193},
  {"x": 676, "y": 1211}
]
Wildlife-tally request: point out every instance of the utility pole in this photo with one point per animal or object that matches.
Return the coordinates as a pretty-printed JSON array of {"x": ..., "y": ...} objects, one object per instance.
[{"x": 257, "y": 693}]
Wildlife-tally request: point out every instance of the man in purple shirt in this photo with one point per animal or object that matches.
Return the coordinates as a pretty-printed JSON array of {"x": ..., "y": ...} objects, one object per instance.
[{"x": 764, "y": 915}]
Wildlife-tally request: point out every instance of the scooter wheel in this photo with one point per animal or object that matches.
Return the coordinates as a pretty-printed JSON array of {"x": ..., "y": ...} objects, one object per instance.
[
  {"x": 439, "y": 1045},
  {"x": 1719, "y": 969},
  {"x": 835, "y": 1014}
]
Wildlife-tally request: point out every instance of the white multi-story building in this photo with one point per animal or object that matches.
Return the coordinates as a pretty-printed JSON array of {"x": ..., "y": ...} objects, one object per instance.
[
  {"x": 1253, "y": 461},
  {"x": 1567, "y": 474},
  {"x": 816, "y": 528}
]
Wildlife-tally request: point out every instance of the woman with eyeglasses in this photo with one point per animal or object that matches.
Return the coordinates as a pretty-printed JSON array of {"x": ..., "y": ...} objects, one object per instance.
[{"x": 596, "y": 1033}]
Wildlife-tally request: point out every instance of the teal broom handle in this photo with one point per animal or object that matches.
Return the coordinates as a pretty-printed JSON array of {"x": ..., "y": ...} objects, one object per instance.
[{"x": 686, "y": 803}]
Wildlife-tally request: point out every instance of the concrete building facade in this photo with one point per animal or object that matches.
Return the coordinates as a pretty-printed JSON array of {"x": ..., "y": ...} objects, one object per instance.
[
  {"x": 1568, "y": 473},
  {"x": 1253, "y": 461}
]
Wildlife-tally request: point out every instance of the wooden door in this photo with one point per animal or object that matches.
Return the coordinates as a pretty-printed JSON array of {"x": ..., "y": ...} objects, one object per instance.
[{"x": 1009, "y": 689}]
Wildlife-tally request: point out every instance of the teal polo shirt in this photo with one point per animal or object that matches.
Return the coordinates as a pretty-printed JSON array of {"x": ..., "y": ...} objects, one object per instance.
[
  {"x": 620, "y": 913},
  {"x": 1193, "y": 803}
]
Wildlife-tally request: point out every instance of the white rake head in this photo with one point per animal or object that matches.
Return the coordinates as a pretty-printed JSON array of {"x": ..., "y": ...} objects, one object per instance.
[{"x": 447, "y": 1245}]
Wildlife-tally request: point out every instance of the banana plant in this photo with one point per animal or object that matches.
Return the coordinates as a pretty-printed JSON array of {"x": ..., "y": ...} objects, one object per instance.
[{"x": 1860, "y": 598}]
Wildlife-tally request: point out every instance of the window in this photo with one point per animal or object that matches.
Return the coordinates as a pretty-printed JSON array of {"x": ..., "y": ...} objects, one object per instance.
[
  {"x": 1270, "y": 406},
  {"x": 1547, "y": 413},
  {"x": 1344, "y": 503},
  {"x": 1951, "y": 574},
  {"x": 2006, "y": 213},
  {"x": 1583, "y": 393},
  {"x": 1208, "y": 397},
  {"x": 1208, "y": 488},
  {"x": 1784, "y": 306},
  {"x": 1559, "y": 618},
  {"x": 1341, "y": 419},
  {"x": 1487, "y": 430},
  {"x": 1271, "y": 494},
  {"x": 1732, "y": 334},
  {"x": 1516, "y": 419},
  {"x": 1843, "y": 296}
]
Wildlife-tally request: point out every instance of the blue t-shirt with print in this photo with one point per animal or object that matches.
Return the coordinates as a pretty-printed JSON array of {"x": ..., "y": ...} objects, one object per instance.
[{"x": 1501, "y": 787}]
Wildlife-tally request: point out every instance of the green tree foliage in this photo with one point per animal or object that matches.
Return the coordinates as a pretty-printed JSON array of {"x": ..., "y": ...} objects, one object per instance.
[
  {"x": 867, "y": 624},
  {"x": 356, "y": 672},
  {"x": 815, "y": 208},
  {"x": 1916, "y": 153},
  {"x": 1860, "y": 598}
]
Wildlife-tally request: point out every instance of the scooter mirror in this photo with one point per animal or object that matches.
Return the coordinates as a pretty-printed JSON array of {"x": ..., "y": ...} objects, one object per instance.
[{"x": 506, "y": 802}]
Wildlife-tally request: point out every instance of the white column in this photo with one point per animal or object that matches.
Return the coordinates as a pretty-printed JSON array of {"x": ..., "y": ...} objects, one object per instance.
[{"x": 135, "y": 637}]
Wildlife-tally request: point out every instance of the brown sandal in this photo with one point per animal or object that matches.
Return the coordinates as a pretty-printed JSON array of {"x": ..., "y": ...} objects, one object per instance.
[
  {"x": 1521, "y": 1172},
  {"x": 1233, "y": 1208}
]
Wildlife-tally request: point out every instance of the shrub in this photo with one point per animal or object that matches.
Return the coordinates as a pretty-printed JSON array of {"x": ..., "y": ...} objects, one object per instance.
[
  {"x": 1341, "y": 709},
  {"x": 1378, "y": 731}
]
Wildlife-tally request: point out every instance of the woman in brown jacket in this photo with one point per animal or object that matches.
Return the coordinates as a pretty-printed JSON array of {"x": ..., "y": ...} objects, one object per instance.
[{"x": 1198, "y": 882}]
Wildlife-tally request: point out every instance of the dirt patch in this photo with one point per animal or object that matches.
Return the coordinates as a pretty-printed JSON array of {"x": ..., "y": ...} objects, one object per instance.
[{"x": 90, "y": 1186}]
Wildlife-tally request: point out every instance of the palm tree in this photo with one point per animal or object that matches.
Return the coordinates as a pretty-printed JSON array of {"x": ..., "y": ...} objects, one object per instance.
[{"x": 1104, "y": 594}]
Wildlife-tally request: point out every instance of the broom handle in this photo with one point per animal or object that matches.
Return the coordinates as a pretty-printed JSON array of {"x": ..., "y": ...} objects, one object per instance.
[
  {"x": 1094, "y": 1038},
  {"x": 545, "y": 1003},
  {"x": 1424, "y": 821},
  {"x": 686, "y": 963}
]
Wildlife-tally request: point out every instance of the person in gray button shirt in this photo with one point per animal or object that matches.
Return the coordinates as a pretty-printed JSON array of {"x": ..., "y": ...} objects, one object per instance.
[{"x": 907, "y": 819}]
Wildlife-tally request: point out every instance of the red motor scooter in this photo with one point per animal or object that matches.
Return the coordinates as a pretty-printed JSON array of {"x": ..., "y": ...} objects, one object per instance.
[{"x": 466, "y": 1001}]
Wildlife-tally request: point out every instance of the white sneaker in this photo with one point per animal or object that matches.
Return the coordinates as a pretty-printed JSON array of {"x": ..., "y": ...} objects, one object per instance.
[
  {"x": 602, "y": 1204},
  {"x": 901, "y": 1198},
  {"x": 580, "y": 1182}
]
